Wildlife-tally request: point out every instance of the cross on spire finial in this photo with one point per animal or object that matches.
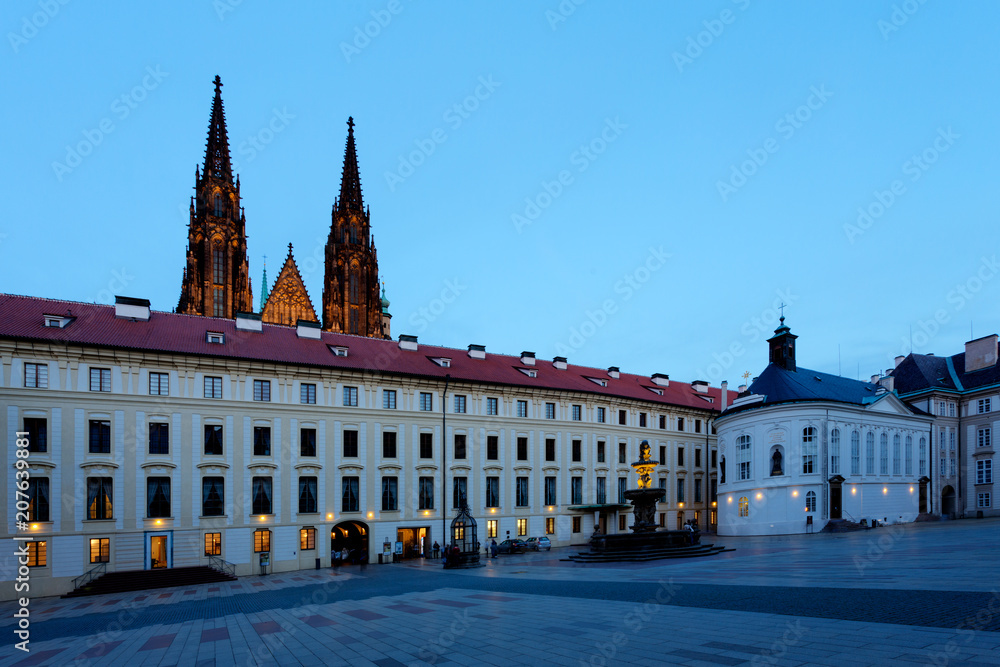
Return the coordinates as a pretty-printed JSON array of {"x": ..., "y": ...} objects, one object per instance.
[
  {"x": 746, "y": 376},
  {"x": 782, "y": 307},
  {"x": 218, "y": 82},
  {"x": 350, "y": 122},
  {"x": 289, "y": 248}
]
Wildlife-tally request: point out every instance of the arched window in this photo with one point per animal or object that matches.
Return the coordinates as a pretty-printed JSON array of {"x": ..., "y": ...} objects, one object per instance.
[
  {"x": 218, "y": 204},
  {"x": 352, "y": 282},
  {"x": 218, "y": 265},
  {"x": 776, "y": 462},
  {"x": 744, "y": 450},
  {"x": 908, "y": 455},
  {"x": 855, "y": 453},
  {"x": 922, "y": 469},
  {"x": 722, "y": 470},
  {"x": 883, "y": 454},
  {"x": 896, "y": 456},
  {"x": 744, "y": 507},
  {"x": 835, "y": 451},
  {"x": 808, "y": 450},
  {"x": 811, "y": 501},
  {"x": 869, "y": 453}
]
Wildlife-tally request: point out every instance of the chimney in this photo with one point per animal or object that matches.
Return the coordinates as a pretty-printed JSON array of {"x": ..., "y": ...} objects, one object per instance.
[
  {"x": 528, "y": 358},
  {"x": 875, "y": 378},
  {"x": 614, "y": 372},
  {"x": 407, "y": 342},
  {"x": 248, "y": 322},
  {"x": 740, "y": 390},
  {"x": 130, "y": 308},
  {"x": 887, "y": 381},
  {"x": 700, "y": 386},
  {"x": 724, "y": 385},
  {"x": 898, "y": 360},
  {"x": 661, "y": 379},
  {"x": 559, "y": 362},
  {"x": 981, "y": 353},
  {"x": 477, "y": 351},
  {"x": 307, "y": 329}
]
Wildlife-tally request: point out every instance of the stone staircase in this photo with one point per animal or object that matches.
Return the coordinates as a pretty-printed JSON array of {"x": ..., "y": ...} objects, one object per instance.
[
  {"x": 842, "y": 526},
  {"x": 645, "y": 554},
  {"x": 140, "y": 580}
]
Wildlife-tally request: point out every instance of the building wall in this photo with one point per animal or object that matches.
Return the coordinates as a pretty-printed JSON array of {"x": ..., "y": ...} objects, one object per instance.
[
  {"x": 68, "y": 405},
  {"x": 777, "y": 504}
]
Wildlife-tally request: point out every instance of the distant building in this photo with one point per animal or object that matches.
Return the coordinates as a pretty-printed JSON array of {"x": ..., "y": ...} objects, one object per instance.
[
  {"x": 963, "y": 393},
  {"x": 802, "y": 448}
]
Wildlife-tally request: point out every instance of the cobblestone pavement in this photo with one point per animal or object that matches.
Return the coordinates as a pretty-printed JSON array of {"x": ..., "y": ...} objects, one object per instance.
[{"x": 918, "y": 594}]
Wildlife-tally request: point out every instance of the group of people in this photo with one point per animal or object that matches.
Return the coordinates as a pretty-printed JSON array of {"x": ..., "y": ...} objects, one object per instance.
[{"x": 490, "y": 548}]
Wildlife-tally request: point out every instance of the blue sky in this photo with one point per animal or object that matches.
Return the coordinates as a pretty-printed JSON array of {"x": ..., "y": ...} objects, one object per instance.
[{"x": 630, "y": 184}]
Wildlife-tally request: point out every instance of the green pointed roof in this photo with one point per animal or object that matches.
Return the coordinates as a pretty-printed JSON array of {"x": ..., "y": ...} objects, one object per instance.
[{"x": 263, "y": 286}]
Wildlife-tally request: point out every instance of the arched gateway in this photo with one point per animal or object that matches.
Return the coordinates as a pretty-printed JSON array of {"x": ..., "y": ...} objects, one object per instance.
[{"x": 353, "y": 536}]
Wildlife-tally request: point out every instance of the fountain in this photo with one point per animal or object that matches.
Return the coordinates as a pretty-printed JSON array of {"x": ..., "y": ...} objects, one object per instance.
[{"x": 646, "y": 541}]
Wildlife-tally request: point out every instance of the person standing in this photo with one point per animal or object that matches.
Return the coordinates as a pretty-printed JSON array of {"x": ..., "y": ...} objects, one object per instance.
[{"x": 493, "y": 548}]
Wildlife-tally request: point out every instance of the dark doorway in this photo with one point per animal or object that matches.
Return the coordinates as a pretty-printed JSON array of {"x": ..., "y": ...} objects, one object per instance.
[
  {"x": 353, "y": 536},
  {"x": 836, "y": 497},
  {"x": 948, "y": 501},
  {"x": 923, "y": 495}
]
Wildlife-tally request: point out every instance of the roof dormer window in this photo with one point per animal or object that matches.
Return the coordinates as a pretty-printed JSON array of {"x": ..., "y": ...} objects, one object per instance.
[
  {"x": 599, "y": 381},
  {"x": 443, "y": 362},
  {"x": 338, "y": 350},
  {"x": 530, "y": 372},
  {"x": 215, "y": 337}
]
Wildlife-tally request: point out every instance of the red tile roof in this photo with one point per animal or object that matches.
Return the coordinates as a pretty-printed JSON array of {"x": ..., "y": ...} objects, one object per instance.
[{"x": 22, "y": 317}]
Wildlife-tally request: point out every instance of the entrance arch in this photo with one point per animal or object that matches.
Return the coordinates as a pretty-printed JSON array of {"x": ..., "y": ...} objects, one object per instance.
[
  {"x": 353, "y": 536},
  {"x": 948, "y": 501}
]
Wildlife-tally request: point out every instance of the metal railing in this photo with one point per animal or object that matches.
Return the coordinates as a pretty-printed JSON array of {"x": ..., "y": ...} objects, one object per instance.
[
  {"x": 223, "y": 566},
  {"x": 93, "y": 573}
]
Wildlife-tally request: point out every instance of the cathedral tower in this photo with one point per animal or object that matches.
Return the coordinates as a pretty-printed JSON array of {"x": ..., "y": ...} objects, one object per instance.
[
  {"x": 351, "y": 301},
  {"x": 217, "y": 277}
]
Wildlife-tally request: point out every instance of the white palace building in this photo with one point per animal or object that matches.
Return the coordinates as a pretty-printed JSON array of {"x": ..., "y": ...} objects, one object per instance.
[{"x": 159, "y": 440}]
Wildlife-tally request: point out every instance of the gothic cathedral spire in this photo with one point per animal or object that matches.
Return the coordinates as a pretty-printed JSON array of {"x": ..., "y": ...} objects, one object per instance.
[
  {"x": 351, "y": 301},
  {"x": 217, "y": 277}
]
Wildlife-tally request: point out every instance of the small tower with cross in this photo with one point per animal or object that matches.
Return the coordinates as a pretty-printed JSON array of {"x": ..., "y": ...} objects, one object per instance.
[{"x": 782, "y": 345}]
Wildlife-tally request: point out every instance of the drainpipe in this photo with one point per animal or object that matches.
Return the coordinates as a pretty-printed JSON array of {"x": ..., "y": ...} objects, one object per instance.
[{"x": 444, "y": 462}]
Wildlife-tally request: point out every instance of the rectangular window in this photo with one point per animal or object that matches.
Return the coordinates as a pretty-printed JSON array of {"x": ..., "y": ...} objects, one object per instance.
[
  {"x": 983, "y": 438},
  {"x": 602, "y": 415},
  {"x": 550, "y": 490},
  {"x": 100, "y": 436},
  {"x": 213, "y": 387},
  {"x": 985, "y": 405},
  {"x": 697, "y": 458},
  {"x": 159, "y": 438},
  {"x": 350, "y": 444},
  {"x": 261, "y": 495},
  {"x": 213, "y": 544},
  {"x": 680, "y": 457},
  {"x": 713, "y": 490},
  {"x": 388, "y": 444},
  {"x": 213, "y": 496},
  {"x": 460, "y": 404},
  {"x": 697, "y": 426},
  {"x": 493, "y": 492},
  {"x": 492, "y": 447},
  {"x": 550, "y": 449},
  {"x": 576, "y": 490},
  {"x": 577, "y": 413},
  {"x": 390, "y": 494},
  {"x": 426, "y": 401},
  {"x": 622, "y": 417},
  {"x": 308, "y": 494},
  {"x": 602, "y": 490},
  {"x": 697, "y": 490},
  {"x": 307, "y": 539},
  {"x": 521, "y": 495},
  {"x": 261, "y": 440},
  {"x": 261, "y": 541},
  {"x": 491, "y": 528},
  {"x": 951, "y": 409},
  {"x": 883, "y": 459},
  {"x": 157, "y": 497},
  {"x": 213, "y": 439},
  {"x": 426, "y": 493},
  {"x": 459, "y": 446},
  {"x": 621, "y": 523},
  {"x": 307, "y": 393},
  {"x": 99, "y": 495},
  {"x": 870, "y": 453},
  {"x": 459, "y": 491},
  {"x": 491, "y": 406},
  {"x": 622, "y": 452},
  {"x": 307, "y": 442},
  {"x": 714, "y": 459},
  {"x": 37, "y": 429},
  {"x": 522, "y": 527},
  {"x": 744, "y": 448},
  {"x": 663, "y": 422},
  {"x": 349, "y": 495},
  {"x": 550, "y": 525},
  {"x": 577, "y": 450},
  {"x": 389, "y": 399},
  {"x": 622, "y": 486},
  {"x": 984, "y": 471},
  {"x": 577, "y": 524},
  {"x": 663, "y": 483},
  {"x": 100, "y": 550},
  {"x": 680, "y": 490},
  {"x": 600, "y": 452},
  {"x": 36, "y": 376},
  {"x": 663, "y": 455},
  {"x": 941, "y": 408},
  {"x": 522, "y": 408},
  {"x": 351, "y": 397},
  {"x": 522, "y": 449},
  {"x": 100, "y": 379},
  {"x": 426, "y": 445},
  {"x": 262, "y": 390},
  {"x": 550, "y": 410},
  {"x": 983, "y": 500},
  {"x": 642, "y": 419},
  {"x": 159, "y": 384},
  {"x": 38, "y": 499}
]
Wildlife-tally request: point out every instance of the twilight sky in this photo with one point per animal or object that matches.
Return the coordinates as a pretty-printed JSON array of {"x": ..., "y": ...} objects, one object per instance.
[{"x": 629, "y": 184}]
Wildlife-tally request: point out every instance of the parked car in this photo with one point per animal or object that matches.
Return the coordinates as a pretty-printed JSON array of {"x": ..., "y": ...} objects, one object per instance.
[
  {"x": 538, "y": 543},
  {"x": 511, "y": 547}
]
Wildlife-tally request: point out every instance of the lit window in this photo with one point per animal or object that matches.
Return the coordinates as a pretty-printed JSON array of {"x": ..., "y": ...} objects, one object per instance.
[
  {"x": 307, "y": 539},
  {"x": 261, "y": 540},
  {"x": 744, "y": 507},
  {"x": 522, "y": 527},
  {"x": 550, "y": 525},
  {"x": 491, "y": 528},
  {"x": 811, "y": 501},
  {"x": 213, "y": 544},
  {"x": 99, "y": 494},
  {"x": 100, "y": 550}
]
